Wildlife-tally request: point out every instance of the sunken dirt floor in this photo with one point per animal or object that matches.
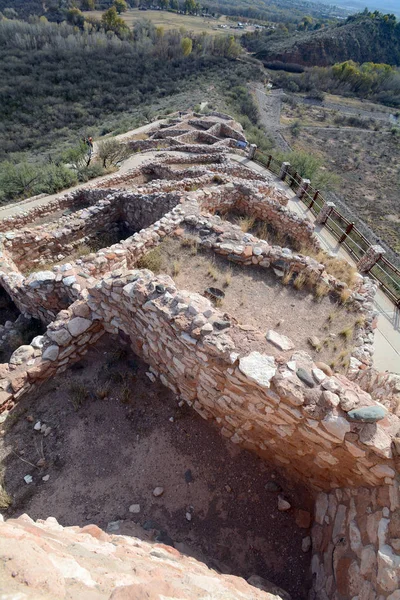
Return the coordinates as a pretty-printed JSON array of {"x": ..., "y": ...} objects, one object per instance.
[
  {"x": 115, "y": 437},
  {"x": 258, "y": 301}
]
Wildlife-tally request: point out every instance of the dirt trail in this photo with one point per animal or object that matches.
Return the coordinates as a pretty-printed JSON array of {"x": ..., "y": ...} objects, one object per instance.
[{"x": 269, "y": 106}]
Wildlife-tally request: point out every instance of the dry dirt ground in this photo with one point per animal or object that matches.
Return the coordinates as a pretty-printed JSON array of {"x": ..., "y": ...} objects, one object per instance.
[
  {"x": 367, "y": 163},
  {"x": 257, "y": 299},
  {"x": 115, "y": 437},
  {"x": 168, "y": 20}
]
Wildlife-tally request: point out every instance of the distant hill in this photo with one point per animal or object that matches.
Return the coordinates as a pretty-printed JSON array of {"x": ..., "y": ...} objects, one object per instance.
[
  {"x": 362, "y": 38},
  {"x": 358, "y": 5}
]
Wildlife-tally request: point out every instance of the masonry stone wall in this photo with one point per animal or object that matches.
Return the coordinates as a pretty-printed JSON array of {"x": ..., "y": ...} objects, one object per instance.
[
  {"x": 243, "y": 198},
  {"x": 342, "y": 439},
  {"x": 66, "y": 340},
  {"x": 255, "y": 401},
  {"x": 73, "y": 200},
  {"x": 44, "y": 244},
  {"x": 356, "y": 544},
  {"x": 383, "y": 387}
]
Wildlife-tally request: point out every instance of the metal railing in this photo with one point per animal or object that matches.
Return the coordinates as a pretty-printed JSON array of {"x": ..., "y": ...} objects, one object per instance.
[{"x": 340, "y": 227}]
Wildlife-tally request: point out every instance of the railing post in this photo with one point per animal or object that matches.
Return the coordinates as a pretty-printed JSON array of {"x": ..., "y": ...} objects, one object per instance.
[
  {"x": 252, "y": 151},
  {"x": 303, "y": 187},
  {"x": 323, "y": 215},
  {"x": 370, "y": 258},
  {"x": 346, "y": 233},
  {"x": 284, "y": 169},
  {"x": 314, "y": 199},
  {"x": 269, "y": 161}
]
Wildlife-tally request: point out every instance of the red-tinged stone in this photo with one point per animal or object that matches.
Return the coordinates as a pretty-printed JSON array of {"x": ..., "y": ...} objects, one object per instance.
[
  {"x": 303, "y": 518},
  {"x": 95, "y": 532},
  {"x": 342, "y": 576},
  {"x": 178, "y": 232}
]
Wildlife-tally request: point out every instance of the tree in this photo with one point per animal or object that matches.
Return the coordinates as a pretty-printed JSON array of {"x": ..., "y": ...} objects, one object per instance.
[
  {"x": 75, "y": 17},
  {"x": 113, "y": 22},
  {"x": 189, "y": 6},
  {"x": 10, "y": 13},
  {"x": 77, "y": 157},
  {"x": 121, "y": 6},
  {"x": 186, "y": 45},
  {"x": 88, "y": 4},
  {"x": 112, "y": 152}
]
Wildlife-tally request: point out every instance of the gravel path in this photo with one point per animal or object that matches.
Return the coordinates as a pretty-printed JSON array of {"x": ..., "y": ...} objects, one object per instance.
[{"x": 269, "y": 106}]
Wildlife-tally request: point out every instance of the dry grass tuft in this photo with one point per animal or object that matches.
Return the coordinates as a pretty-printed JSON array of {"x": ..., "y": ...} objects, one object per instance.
[
  {"x": 228, "y": 278},
  {"x": 102, "y": 391},
  {"x": 300, "y": 281},
  {"x": 191, "y": 244},
  {"x": 262, "y": 230},
  {"x": 78, "y": 394},
  {"x": 5, "y": 498},
  {"x": 213, "y": 271},
  {"x": 360, "y": 321},
  {"x": 286, "y": 279},
  {"x": 176, "y": 267},
  {"x": 337, "y": 267},
  {"x": 321, "y": 290},
  {"x": 345, "y": 295},
  {"x": 347, "y": 333},
  {"x": 246, "y": 223},
  {"x": 82, "y": 250}
]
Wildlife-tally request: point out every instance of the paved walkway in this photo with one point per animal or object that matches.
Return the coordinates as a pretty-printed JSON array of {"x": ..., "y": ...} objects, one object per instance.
[{"x": 387, "y": 335}]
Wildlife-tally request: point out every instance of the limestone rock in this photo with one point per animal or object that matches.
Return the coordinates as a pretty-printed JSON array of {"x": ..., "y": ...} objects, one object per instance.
[
  {"x": 45, "y": 560},
  {"x": 283, "y": 504},
  {"x": 60, "y": 337},
  {"x": 259, "y": 368},
  {"x": 336, "y": 426},
  {"x": 78, "y": 325},
  {"x": 280, "y": 341},
  {"x": 306, "y": 544},
  {"x": 22, "y": 354},
  {"x": 318, "y": 375},
  {"x": 51, "y": 353},
  {"x": 158, "y": 491}
]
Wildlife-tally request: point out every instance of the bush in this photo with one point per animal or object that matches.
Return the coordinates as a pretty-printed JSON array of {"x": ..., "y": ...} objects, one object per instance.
[
  {"x": 56, "y": 178},
  {"x": 112, "y": 152}
]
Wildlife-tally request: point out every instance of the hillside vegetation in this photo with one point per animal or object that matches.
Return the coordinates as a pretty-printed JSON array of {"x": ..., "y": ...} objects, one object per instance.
[
  {"x": 57, "y": 80},
  {"x": 369, "y": 37},
  {"x": 290, "y": 11}
]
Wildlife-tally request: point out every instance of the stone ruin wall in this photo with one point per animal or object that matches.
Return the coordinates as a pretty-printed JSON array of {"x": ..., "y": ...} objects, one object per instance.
[
  {"x": 383, "y": 387},
  {"x": 256, "y": 402},
  {"x": 218, "y": 388},
  {"x": 356, "y": 544},
  {"x": 300, "y": 420}
]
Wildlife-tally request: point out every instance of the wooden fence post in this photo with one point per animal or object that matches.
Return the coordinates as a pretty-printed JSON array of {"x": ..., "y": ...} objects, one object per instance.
[{"x": 346, "y": 233}]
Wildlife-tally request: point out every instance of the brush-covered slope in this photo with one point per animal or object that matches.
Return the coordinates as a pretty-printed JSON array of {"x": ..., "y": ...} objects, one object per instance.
[{"x": 365, "y": 38}]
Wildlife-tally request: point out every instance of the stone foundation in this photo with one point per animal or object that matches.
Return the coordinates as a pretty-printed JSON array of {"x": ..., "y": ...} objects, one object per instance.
[{"x": 321, "y": 429}]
